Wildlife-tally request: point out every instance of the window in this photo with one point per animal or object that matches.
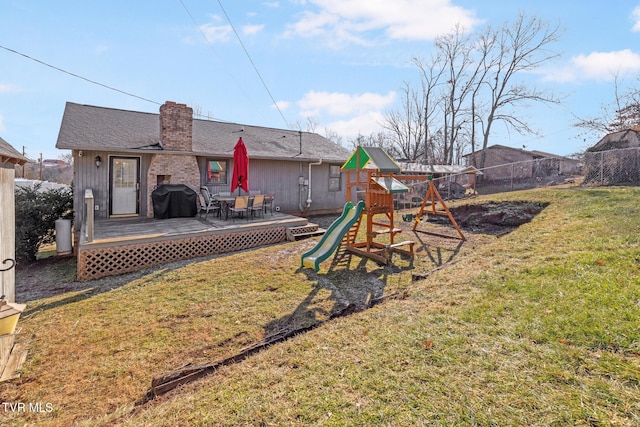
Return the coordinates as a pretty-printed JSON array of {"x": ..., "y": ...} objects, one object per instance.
[
  {"x": 335, "y": 178},
  {"x": 216, "y": 171}
]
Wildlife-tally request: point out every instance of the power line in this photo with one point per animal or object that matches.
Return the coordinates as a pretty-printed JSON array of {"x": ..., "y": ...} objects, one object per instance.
[
  {"x": 253, "y": 64},
  {"x": 204, "y": 36},
  {"x": 79, "y": 76}
]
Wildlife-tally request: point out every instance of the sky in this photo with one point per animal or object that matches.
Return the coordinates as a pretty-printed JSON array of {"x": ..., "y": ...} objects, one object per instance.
[{"x": 337, "y": 64}]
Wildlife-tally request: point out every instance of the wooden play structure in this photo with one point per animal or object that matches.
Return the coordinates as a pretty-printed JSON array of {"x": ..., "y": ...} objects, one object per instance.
[
  {"x": 432, "y": 198},
  {"x": 370, "y": 171}
]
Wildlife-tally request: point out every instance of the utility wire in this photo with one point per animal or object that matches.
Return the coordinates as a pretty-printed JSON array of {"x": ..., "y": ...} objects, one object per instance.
[
  {"x": 80, "y": 77},
  {"x": 253, "y": 65},
  {"x": 204, "y": 36}
]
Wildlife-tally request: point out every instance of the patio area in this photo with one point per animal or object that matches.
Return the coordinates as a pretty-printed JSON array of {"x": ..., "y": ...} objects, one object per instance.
[{"x": 122, "y": 245}]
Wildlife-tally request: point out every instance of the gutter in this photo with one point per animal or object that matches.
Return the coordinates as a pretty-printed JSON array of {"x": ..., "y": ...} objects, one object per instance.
[{"x": 319, "y": 162}]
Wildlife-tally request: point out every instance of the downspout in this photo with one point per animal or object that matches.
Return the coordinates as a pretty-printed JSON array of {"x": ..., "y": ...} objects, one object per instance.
[{"x": 319, "y": 162}]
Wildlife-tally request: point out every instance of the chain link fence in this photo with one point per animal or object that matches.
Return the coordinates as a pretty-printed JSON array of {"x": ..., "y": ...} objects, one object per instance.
[{"x": 612, "y": 167}]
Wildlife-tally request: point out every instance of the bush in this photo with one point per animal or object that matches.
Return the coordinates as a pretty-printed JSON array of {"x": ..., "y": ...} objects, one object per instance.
[{"x": 36, "y": 215}]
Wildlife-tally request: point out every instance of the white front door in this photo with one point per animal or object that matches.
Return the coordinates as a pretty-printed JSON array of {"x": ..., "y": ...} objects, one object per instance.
[{"x": 124, "y": 185}]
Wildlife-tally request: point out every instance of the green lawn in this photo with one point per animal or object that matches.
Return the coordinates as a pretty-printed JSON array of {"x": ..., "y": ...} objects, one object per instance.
[{"x": 537, "y": 327}]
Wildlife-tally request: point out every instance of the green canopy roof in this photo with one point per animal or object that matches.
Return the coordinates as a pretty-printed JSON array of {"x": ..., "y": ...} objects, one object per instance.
[
  {"x": 392, "y": 185},
  {"x": 371, "y": 158}
]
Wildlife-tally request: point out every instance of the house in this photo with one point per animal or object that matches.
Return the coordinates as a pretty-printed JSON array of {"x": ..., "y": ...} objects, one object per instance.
[
  {"x": 628, "y": 138},
  {"x": 615, "y": 159},
  {"x": 9, "y": 157},
  {"x": 452, "y": 180},
  {"x": 502, "y": 163},
  {"x": 122, "y": 156},
  {"x": 53, "y": 163}
]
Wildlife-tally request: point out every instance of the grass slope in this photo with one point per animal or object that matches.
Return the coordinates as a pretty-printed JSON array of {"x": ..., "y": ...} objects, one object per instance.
[{"x": 538, "y": 327}]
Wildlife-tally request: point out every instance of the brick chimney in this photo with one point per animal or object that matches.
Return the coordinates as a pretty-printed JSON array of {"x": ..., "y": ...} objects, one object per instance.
[
  {"x": 179, "y": 166},
  {"x": 176, "y": 122}
]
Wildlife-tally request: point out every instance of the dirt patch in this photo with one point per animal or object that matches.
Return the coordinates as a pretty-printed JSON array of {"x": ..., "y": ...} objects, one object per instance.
[{"x": 493, "y": 217}]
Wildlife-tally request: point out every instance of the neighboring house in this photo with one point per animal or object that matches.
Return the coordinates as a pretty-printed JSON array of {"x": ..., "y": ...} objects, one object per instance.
[
  {"x": 453, "y": 179},
  {"x": 52, "y": 163},
  {"x": 464, "y": 175},
  {"x": 503, "y": 162},
  {"x": 122, "y": 156},
  {"x": 615, "y": 159},
  {"x": 629, "y": 138},
  {"x": 9, "y": 157}
]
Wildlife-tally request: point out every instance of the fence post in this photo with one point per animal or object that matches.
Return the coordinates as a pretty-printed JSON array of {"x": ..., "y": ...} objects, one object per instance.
[
  {"x": 512, "y": 172},
  {"x": 602, "y": 168}
]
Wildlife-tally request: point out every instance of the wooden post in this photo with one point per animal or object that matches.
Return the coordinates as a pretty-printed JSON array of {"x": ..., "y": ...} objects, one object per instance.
[
  {"x": 7, "y": 232},
  {"x": 89, "y": 203}
]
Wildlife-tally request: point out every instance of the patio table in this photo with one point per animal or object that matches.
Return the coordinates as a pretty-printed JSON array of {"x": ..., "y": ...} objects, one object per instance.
[{"x": 226, "y": 201}]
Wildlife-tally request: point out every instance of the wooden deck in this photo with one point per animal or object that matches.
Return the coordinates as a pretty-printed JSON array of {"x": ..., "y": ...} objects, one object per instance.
[
  {"x": 130, "y": 230},
  {"x": 122, "y": 245}
]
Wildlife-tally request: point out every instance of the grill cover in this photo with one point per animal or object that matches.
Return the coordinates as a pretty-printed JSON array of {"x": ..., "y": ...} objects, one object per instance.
[{"x": 174, "y": 201}]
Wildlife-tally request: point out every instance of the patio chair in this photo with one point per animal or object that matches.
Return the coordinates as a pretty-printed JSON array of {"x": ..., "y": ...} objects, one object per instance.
[
  {"x": 258, "y": 205},
  {"x": 269, "y": 202},
  {"x": 240, "y": 206},
  {"x": 207, "y": 203}
]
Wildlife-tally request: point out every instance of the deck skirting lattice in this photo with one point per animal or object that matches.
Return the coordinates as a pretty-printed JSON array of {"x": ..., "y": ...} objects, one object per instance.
[{"x": 94, "y": 263}]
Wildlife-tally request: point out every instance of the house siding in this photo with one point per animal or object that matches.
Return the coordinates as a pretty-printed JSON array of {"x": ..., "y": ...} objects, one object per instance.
[
  {"x": 269, "y": 176},
  {"x": 282, "y": 178},
  {"x": 88, "y": 176}
]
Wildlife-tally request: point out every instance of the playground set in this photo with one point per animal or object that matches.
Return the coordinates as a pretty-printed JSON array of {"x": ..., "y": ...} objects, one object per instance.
[{"x": 372, "y": 172}]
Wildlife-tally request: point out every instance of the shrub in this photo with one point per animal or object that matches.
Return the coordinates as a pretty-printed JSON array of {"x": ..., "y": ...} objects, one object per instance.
[{"x": 36, "y": 215}]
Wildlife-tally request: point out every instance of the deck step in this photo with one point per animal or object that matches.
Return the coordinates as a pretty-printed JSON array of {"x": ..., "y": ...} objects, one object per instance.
[{"x": 303, "y": 231}]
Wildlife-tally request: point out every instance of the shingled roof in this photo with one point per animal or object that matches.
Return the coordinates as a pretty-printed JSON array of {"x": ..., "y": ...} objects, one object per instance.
[
  {"x": 86, "y": 127},
  {"x": 10, "y": 154},
  {"x": 628, "y": 138}
]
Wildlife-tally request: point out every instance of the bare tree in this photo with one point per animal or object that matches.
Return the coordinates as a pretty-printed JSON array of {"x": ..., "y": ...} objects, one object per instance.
[
  {"x": 332, "y": 136},
  {"x": 431, "y": 76},
  {"x": 405, "y": 126},
  {"x": 622, "y": 114},
  {"x": 468, "y": 86},
  {"x": 380, "y": 139},
  {"x": 457, "y": 50},
  {"x": 67, "y": 158},
  {"x": 520, "y": 47}
]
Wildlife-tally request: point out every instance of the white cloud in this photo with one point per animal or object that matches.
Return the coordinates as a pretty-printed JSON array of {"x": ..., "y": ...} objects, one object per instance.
[
  {"x": 8, "y": 88},
  {"x": 272, "y": 4},
  {"x": 216, "y": 33},
  {"x": 347, "y": 114},
  {"x": 351, "y": 20},
  {"x": 343, "y": 104},
  {"x": 282, "y": 105},
  {"x": 363, "y": 124},
  {"x": 602, "y": 66},
  {"x": 252, "y": 29},
  {"x": 1, "y": 123},
  {"x": 636, "y": 19}
]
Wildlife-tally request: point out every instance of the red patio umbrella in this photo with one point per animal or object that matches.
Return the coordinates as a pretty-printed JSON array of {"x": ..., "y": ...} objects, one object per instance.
[{"x": 240, "y": 177}]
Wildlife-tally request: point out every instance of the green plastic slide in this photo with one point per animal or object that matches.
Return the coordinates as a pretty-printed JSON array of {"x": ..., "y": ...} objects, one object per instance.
[{"x": 332, "y": 238}]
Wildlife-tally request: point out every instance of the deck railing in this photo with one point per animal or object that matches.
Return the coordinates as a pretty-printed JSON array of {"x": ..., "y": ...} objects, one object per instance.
[{"x": 90, "y": 206}]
